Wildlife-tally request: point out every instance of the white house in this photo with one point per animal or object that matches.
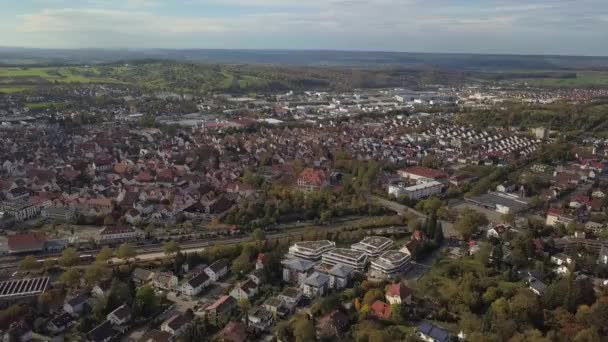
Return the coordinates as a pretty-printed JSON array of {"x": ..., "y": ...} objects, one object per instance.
[
  {"x": 196, "y": 284},
  {"x": 120, "y": 315},
  {"x": 217, "y": 270},
  {"x": 244, "y": 290}
]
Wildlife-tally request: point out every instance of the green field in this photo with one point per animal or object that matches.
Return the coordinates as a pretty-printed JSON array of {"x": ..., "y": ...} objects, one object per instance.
[{"x": 583, "y": 79}]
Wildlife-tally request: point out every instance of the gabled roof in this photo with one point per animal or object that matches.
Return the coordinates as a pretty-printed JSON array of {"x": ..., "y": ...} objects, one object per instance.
[
  {"x": 234, "y": 332},
  {"x": 399, "y": 290},
  {"x": 218, "y": 265},
  {"x": 437, "y": 333},
  {"x": 381, "y": 309},
  {"x": 317, "y": 279},
  {"x": 198, "y": 280},
  {"x": 341, "y": 270},
  {"x": 77, "y": 300},
  {"x": 176, "y": 321},
  {"x": 122, "y": 312}
]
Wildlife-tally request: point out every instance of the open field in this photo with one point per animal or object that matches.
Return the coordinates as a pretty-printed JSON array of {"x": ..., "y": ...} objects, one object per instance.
[{"x": 583, "y": 79}]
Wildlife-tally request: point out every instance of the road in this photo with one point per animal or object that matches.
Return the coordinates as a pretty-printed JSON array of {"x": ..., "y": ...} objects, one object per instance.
[{"x": 448, "y": 228}]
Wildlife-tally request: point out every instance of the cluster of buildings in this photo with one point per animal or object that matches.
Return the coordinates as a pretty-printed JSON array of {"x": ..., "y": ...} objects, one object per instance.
[{"x": 318, "y": 266}]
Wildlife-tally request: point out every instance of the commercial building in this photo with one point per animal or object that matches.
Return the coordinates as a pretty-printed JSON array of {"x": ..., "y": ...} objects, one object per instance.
[
  {"x": 500, "y": 202},
  {"x": 22, "y": 291},
  {"x": 311, "y": 250},
  {"x": 422, "y": 174},
  {"x": 117, "y": 234},
  {"x": 416, "y": 192},
  {"x": 26, "y": 243},
  {"x": 350, "y": 257},
  {"x": 373, "y": 246},
  {"x": 390, "y": 264}
]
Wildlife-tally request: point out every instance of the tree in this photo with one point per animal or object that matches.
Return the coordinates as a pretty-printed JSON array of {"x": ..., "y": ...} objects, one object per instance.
[
  {"x": 119, "y": 294},
  {"x": 469, "y": 223},
  {"x": 372, "y": 295},
  {"x": 397, "y": 313},
  {"x": 171, "y": 248},
  {"x": 71, "y": 278},
  {"x": 146, "y": 303},
  {"x": 96, "y": 273},
  {"x": 303, "y": 329},
  {"x": 508, "y": 218},
  {"x": 439, "y": 237},
  {"x": 69, "y": 257},
  {"x": 29, "y": 263},
  {"x": 125, "y": 252},
  {"x": 258, "y": 235},
  {"x": 105, "y": 254}
]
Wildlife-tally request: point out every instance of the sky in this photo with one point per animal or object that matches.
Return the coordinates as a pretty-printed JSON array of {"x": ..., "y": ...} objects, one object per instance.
[{"x": 571, "y": 27}]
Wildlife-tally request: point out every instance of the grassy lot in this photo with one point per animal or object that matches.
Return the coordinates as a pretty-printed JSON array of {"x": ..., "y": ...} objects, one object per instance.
[
  {"x": 44, "y": 105},
  {"x": 14, "y": 89}
]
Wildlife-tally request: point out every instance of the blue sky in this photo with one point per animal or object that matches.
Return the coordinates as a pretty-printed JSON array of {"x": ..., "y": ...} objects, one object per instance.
[{"x": 479, "y": 26}]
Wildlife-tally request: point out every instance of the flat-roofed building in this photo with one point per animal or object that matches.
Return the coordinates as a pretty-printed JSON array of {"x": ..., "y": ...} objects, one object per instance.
[
  {"x": 117, "y": 234},
  {"x": 390, "y": 264},
  {"x": 311, "y": 250},
  {"x": 373, "y": 246},
  {"x": 26, "y": 243},
  {"x": 350, "y": 257},
  {"x": 22, "y": 290},
  {"x": 417, "y": 191}
]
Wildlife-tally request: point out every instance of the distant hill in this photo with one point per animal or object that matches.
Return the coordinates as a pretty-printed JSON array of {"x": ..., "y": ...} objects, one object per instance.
[{"x": 463, "y": 62}]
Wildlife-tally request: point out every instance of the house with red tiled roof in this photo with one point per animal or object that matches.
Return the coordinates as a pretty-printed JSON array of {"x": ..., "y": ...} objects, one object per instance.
[
  {"x": 555, "y": 216},
  {"x": 381, "y": 310},
  {"x": 221, "y": 309},
  {"x": 232, "y": 332},
  {"x": 312, "y": 180},
  {"x": 261, "y": 261},
  {"x": 398, "y": 294}
]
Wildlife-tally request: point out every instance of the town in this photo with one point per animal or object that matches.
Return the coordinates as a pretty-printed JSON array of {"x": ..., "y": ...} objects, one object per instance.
[{"x": 370, "y": 215}]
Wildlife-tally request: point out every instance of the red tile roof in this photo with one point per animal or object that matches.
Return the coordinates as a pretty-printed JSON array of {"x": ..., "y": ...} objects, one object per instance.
[
  {"x": 313, "y": 177},
  {"x": 26, "y": 242},
  {"x": 381, "y": 309},
  {"x": 399, "y": 290},
  {"x": 426, "y": 172}
]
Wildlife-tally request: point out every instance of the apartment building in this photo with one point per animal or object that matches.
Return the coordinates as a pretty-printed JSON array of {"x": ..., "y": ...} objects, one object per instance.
[
  {"x": 311, "y": 250},
  {"x": 390, "y": 264},
  {"x": 373, "y": 246},
  {"x": 350, "y": 257}
]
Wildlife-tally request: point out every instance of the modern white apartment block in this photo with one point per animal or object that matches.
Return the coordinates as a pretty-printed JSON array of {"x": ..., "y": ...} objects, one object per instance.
[
  {"x": 350, "y": 257},
  {"x": 373, "y": 246},
  {"x": 390, "y": 264},
  {"x": 311, "y": 250},
  {"x": 418, "y": 191}
]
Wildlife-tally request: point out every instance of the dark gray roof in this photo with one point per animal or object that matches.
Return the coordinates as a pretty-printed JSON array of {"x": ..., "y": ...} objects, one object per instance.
[
  {"x": 77, "y": 300},
  {"x": 198, "y": 280},
  {"x": 437, "y": 333},
  {"x": 62, "y": 320},
  {"x": 317, "y": 279},
  {"x": 102, "y": 332},
  {"x": 142, "y": 274},
  {"x": 299, "y": 265},
  {"x": 219, "y": 265},
  {"x": 122, "y": 312}
]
